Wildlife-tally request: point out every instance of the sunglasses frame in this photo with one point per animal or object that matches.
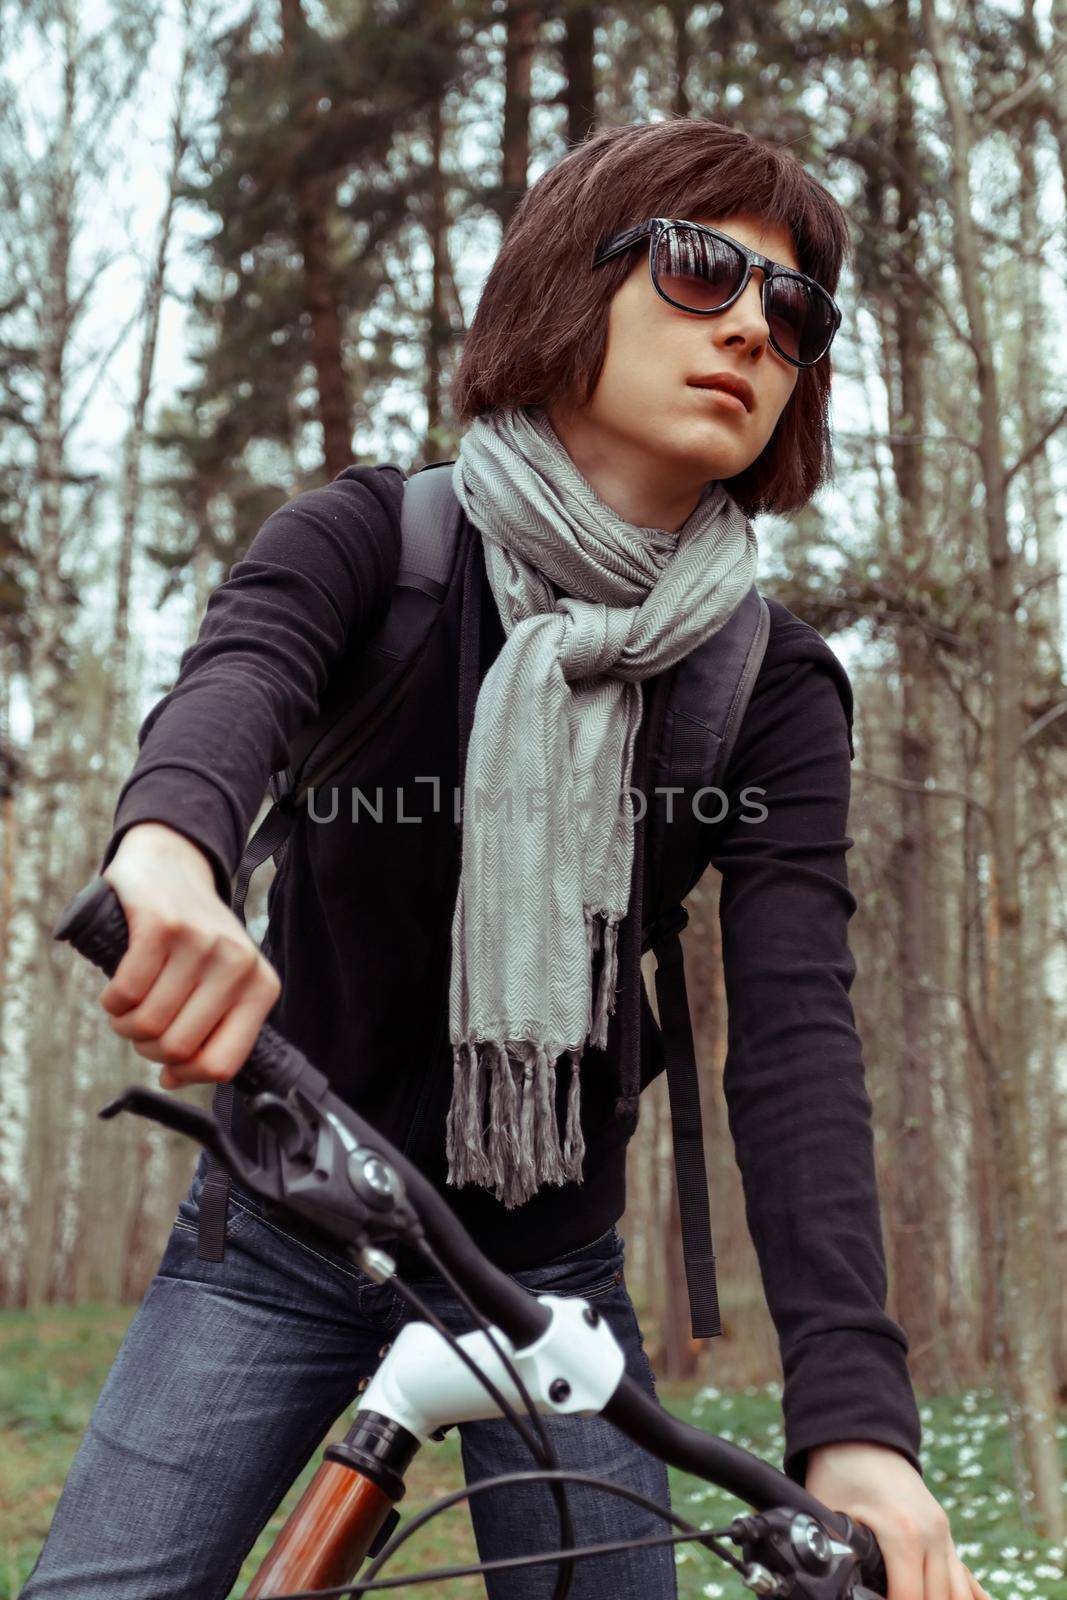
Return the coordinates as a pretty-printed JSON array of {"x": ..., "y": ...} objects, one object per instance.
[{"x": 655, "y": 228}]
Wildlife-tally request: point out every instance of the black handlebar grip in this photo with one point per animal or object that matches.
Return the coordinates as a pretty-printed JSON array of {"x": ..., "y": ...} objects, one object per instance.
[{"x": 95, "y": 924}]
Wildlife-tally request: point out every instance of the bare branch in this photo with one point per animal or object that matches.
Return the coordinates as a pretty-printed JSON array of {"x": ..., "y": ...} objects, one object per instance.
[
  {"x": 933, "y": 790},
  {"x": 1038, "y": 444},
  {"x": 101, "y": 370},
  {"x": 921, "y": 281},
  {"x": 1043, "y": 721},
  {"x": 1024, "y": 91}
]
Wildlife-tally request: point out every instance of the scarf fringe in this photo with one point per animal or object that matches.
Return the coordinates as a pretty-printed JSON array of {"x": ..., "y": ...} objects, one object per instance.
[
  {"x": 609, "y": 974},
  {"x": 520, "y": 1148},
  {"x": 574, "y": 1138},
  {"x": 456, "y": 1148},
  {"x": 503, "y": 1140}
]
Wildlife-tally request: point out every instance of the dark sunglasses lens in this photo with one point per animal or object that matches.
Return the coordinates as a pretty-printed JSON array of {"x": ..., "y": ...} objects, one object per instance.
[
  {"x": 694, "y": 270},
  {"x": 700, "y": 273},
  {"x": 800, "y": 319}
]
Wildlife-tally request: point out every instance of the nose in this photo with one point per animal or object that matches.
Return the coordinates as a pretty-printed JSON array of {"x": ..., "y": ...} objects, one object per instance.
[{"x": 743, "y": 324}]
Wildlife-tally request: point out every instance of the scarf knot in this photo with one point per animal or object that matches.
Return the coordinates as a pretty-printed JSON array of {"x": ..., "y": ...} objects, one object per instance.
[{"x": 594, "y": 638}]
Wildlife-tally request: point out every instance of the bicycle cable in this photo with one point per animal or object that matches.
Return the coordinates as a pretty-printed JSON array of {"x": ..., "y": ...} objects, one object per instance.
[
  {"x": 541, "y": 1447},
  {"x": 370, "y": 1582}
]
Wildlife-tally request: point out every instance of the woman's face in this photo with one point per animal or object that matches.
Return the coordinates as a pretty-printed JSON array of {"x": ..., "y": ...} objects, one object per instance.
[{"x": 646, "y": 411}]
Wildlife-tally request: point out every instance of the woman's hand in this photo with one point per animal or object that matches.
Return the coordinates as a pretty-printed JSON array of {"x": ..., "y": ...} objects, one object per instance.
[
  {"x": 877, "y": 1486},
  {"x": 193, "y": 989}
]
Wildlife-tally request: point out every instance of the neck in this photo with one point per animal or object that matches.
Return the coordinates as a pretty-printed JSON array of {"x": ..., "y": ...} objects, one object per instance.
[{"x": 641, "y": 491}]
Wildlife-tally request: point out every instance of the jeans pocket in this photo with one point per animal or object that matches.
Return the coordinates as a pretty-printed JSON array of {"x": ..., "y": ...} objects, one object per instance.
[
  {"x": 590, "y": 1271},
  {"x": 313, "y": 1244}
]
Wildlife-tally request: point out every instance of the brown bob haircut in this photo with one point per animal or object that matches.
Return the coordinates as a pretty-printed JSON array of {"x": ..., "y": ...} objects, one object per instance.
[{"x": 540, "y": 332}]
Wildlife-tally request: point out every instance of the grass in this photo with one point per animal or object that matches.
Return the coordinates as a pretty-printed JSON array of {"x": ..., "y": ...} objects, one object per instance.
[{"x": 53, "y": 1364}]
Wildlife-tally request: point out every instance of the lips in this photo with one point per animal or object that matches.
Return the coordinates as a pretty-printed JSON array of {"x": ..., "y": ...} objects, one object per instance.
[{"x": 729, "y": 383}]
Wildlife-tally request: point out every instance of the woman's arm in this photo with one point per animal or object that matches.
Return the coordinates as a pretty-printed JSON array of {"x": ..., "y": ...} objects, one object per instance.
[
  {"x": 794, "y": 1080},
  {"x": 319, "y": 573}
]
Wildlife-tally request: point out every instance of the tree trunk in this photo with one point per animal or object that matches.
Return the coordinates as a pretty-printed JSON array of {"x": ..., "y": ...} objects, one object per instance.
[
  {"x": 1041, "y": 572},
  {"x": 314, "y": 200},
  {"x": 30, "y": 959},
  {"x": 579, "y": 90},
  {"x": 683, "y": 50},
  {"x": 918, "y": 1218},
  {"x": 1024, "y": 1310},
  {"x": 522, "y": 26},
  {"x": 439, "y": 332},
  {"x": 115, "y": 700}
]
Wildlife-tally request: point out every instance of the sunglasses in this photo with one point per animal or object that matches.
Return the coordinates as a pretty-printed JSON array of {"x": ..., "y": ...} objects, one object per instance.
[{"x": 701, "y": 270}]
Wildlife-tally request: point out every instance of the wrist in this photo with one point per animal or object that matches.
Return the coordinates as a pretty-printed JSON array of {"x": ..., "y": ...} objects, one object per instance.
[{"x": 156, "y": 840}]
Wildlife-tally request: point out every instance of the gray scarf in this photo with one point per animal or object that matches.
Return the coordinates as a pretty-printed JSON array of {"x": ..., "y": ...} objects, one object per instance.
[{"x": 548, "y": 826}]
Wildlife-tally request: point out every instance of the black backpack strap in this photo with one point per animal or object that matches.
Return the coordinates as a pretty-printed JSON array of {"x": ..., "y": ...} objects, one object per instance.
[
  {"x": 429, "y": 526},
  {"x": 358, "y": 704},
  {"x": 215, "y": 1195},
  {"x": 687, "y": 1129},
  {"x": 693, "y": 753},
  {"x": 268, "y": 840}
]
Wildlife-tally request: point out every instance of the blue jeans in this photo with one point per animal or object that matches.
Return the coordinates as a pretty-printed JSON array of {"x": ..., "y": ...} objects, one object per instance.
[{"x": 232, "y": 1373}]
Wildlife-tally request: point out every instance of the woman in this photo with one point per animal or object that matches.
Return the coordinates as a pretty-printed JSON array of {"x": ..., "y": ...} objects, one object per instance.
[{"x": 593, "y": 469}]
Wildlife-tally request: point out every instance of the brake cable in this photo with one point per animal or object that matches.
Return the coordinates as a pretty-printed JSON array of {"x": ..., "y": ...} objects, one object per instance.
[
  {"x": 370, "y": 1582},
  {"x": 542, "y": 1448}
]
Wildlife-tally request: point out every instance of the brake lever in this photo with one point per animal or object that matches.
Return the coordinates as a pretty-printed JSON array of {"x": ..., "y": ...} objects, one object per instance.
[
  {"x": 309, "y": 1161},
  {"x": 794, "y": 1555}
]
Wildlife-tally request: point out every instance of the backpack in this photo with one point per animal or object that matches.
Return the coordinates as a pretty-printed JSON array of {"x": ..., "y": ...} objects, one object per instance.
[{"x": 693, "y": 718}]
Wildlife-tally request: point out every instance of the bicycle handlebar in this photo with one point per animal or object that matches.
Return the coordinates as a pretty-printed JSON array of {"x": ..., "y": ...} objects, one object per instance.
[
  {"x": 286, "y": 1087},
  {"x": 95, "y": 924}
]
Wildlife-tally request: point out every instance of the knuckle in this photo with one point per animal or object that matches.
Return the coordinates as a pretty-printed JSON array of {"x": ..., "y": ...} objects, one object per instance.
[
  {"x": 214, "y": 1068},
  {"x": 201, "y": 942},
  {"x": 120, "y": 997},
  {"x": 148, "y": 1025},
  {"x": 269, "y": 981},
  {"x": 247, "y": 958},
  {"x": 167, "y": 926},
  {"x": 234, "y": 956},
  {"x": 133, "y": 1028},
  {"x": 937, "y": 1525},
  {"x": 174, "y": 1054},
  {"x": 907, "y": 1526}
]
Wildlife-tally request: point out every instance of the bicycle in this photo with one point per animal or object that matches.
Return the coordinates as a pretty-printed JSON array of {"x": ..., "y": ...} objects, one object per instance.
[{"x": 527, "y": 1356}]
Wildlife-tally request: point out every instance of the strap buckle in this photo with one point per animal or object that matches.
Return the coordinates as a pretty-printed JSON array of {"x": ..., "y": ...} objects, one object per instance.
[
  {"x": 676, "y": 920},
  {"x": 281, "y": 787}
]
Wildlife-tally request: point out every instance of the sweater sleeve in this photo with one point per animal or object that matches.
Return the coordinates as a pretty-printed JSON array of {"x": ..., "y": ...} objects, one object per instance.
[
  {"x": 318, "y": 574},
  {"x": 797, "y": 1104}
]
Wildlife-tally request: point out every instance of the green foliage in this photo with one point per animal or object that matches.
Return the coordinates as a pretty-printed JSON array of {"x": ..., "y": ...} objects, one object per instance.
[{"x": 966, "y": 1463}]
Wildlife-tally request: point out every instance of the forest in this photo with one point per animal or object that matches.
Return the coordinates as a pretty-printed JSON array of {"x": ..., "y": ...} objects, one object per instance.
[{"x": 240, "y": 247}]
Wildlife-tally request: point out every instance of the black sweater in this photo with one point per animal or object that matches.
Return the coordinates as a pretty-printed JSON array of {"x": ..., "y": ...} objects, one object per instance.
[{"x": 360, "y": 933}]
